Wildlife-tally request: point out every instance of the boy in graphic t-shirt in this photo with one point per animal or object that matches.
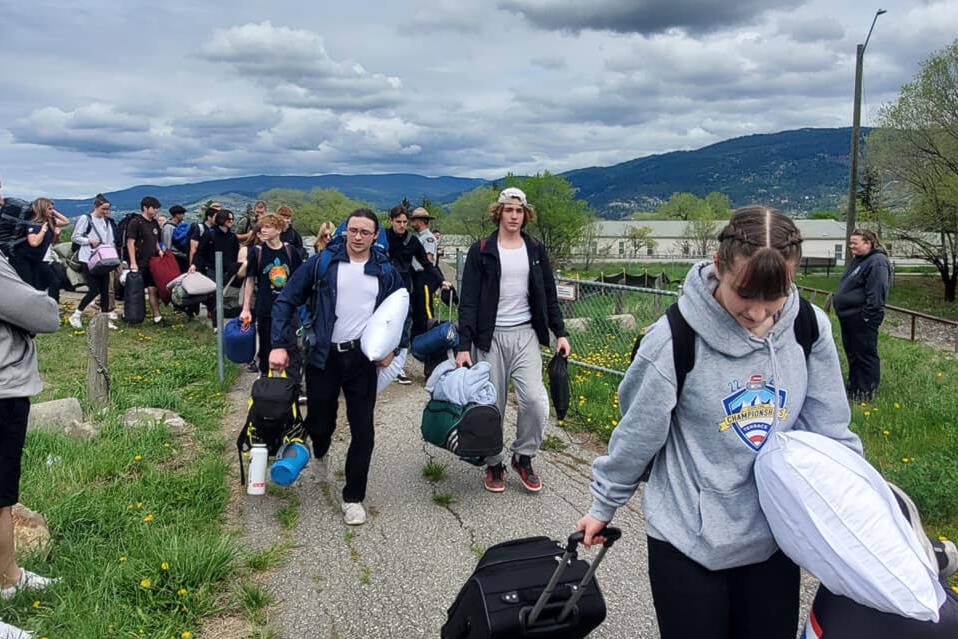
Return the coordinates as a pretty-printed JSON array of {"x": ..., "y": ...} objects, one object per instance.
[{"x": 268, "y": 267}]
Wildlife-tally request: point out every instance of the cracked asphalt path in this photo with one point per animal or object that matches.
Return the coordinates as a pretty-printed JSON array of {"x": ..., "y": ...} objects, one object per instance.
[{"x": 396, "y": 575}]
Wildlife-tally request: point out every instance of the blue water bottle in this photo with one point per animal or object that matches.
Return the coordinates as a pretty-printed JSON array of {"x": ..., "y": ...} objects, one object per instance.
[{"x": 290, "y": 460}]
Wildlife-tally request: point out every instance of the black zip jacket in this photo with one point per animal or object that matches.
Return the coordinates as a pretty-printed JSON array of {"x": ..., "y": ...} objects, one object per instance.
[
  {"x": 213, "y": 240},
  {"x": 479, "y": 299},
  {"x": 863, "y": 288}
]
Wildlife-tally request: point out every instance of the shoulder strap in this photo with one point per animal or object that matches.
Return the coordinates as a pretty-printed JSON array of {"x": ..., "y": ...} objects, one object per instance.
[
  {"x": 683, "y": 345},
  {"x": 89, "y": 225},
  {"x": 482, "y": 245},
  {"x": 806, "y": 326}
]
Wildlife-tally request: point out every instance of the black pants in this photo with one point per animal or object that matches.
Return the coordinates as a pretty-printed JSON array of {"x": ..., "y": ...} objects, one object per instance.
[
  {"x": 860, "y": 341},
  {"x": 356, "y": 376},
  {"x": 264, "y": 325},
  {"x": 14, "y": 412},
  {"x": 758, "y": 601},
  {"x": 420, "y": 300},
  {"x": 96, "y": 285}
]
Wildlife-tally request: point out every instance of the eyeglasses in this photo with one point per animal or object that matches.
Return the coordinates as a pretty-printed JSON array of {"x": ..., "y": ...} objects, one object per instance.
[
  {"x": 400, "y": 221},
  {"x": 361, "y": 232},
  {"x": 229, "y": 219},
  {"x": 324, "y": 236}
]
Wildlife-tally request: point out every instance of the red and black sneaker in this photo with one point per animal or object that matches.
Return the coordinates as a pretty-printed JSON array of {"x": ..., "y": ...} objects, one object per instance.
[
  {"x": 523, "y": 466},
  {"x": 496, "y": 478}
]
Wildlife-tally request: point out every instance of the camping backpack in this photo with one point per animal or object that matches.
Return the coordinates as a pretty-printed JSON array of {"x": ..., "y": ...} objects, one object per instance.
[
  {"x": 181, "y": 237},
  {"x": 683, "y": 345},
  {"x": 15, "y": 216},
  {"x": 273, "y": 417},
  {"x": 119, "y": 234}
]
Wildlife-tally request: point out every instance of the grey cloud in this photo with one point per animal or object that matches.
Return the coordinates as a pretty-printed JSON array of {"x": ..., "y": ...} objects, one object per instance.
[
  {"x": 96, "y": 129},
  {"x": 295, "y": 67},
  {"x": 817, "y": 28},
  {"x": 550, "y": 63},
  {"x": 642, "y": 16}
]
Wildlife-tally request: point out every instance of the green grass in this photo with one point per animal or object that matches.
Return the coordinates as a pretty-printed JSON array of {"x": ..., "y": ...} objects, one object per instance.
[
  {"x": 134, "y": 513},
  {"x": 923, "y": 293},
  {"x": 443, "y": 499},
  {"x": 434, "y": 472}
]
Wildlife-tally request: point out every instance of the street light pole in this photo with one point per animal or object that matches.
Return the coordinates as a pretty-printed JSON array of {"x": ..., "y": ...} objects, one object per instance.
[{"x": 856, "y": 129}]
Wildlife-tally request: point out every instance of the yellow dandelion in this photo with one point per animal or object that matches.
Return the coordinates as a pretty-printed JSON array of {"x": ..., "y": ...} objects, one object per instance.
[
  {"x": 36, "y": 604},
  {"x": 897, "y": 405},
  {"x": 955, "y": 588},
  {"x": 886, "y": 433},
  {"x": 942, "y": 538},
  {"x": 182, "y": 591},
  {"x": 186, "y": 634},
  {"x": 904, "y": 460},
  {"x": 166, "y": 445},
  {"x": 164, "y": 566},
  {"x": 145, "y": 583},
  {"x": 122, "y": 557},
  {"x": 938, "y": 374},
  {"x": 139, "y": 504},
  {"x": 149, "y": 517},
  {"x": 863, "y": 404},
  {"x": 138, "y": 458},
  {"x": 868, "y": 413}
]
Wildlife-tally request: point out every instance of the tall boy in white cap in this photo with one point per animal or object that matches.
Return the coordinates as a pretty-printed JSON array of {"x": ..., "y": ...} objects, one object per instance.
[{"x": 507, "y": 307}]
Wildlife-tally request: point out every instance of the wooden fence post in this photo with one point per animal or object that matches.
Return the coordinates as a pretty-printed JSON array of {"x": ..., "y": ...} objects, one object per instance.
[{"x": 97, "y": 375}]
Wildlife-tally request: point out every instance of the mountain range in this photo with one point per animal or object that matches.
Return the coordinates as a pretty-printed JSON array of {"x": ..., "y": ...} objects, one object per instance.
[{"x": 799, "y": 171}]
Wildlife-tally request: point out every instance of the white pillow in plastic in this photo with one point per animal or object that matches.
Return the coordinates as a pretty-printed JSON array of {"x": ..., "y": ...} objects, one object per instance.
[
  {"x": 197, "y": 284},
  {"x": 383, "y": 331},
  {"x": 834, "y": 515},
  {"x": 385, "y": 376}
]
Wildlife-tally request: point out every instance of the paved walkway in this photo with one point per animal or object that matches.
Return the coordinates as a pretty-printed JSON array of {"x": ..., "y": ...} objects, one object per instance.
[{"x": 396, "y": 575}]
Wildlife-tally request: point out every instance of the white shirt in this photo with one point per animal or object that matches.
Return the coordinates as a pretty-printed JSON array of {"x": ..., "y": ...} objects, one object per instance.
[
  {"x": 428, "y": 241},
  {"x": 355, "y": 300},
  {"x": 513, "y": 287},
  {"x": 82, "y": 237}
]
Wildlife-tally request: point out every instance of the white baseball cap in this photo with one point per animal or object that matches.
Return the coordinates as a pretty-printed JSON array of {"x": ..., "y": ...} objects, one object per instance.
[{"x": 512, "y": 193}]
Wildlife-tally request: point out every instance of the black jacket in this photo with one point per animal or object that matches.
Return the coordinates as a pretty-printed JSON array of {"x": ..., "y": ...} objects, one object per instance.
[
  {"x": 213, "y": 240},
  {"x": 864, "y": 287},
  {"x": 479, "y": 299}
]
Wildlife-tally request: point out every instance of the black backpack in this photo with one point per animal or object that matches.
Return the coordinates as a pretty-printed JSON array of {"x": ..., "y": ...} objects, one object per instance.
[
  {"x": 683, "y": 345},
  {"x": 119, "y": 234},
  {"x": 273, "y": 417},
  {"x": 15, "y": 216}
]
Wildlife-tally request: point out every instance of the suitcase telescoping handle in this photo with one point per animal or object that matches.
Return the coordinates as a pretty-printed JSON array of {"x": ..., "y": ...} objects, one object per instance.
[{"x": 611, "y": 535}]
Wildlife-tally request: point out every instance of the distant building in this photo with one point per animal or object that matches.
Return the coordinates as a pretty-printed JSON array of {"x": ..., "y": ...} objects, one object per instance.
[{"x": 670, "y": 240}]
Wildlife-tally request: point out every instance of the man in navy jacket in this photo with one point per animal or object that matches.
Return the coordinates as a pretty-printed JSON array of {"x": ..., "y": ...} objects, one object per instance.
[{"x": 343, "y": 284}]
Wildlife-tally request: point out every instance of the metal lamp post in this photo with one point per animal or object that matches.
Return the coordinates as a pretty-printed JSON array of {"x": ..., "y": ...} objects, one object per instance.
[{"x": 856, "y": 126}]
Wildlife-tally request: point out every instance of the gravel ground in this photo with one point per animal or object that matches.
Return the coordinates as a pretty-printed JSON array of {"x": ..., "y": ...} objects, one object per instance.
[{"x": 396, "y": 575}]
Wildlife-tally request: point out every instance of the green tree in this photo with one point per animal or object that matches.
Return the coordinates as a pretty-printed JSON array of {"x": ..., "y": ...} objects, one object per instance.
[
  {"x": 719, "y": 204},
  {"x": 313, "y": 208},
  {"x": 641, "y": 240},
  {"x": 917, "y": 148},
  {"x": 469, "y": 215},
  {"x": 681, "y": 206},
  {"x": 560, "y": 217},
  {"x": 823, "y": 215}
]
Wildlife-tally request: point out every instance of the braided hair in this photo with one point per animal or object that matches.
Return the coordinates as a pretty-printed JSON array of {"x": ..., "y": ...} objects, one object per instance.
[{"x": 770, "y": 246}]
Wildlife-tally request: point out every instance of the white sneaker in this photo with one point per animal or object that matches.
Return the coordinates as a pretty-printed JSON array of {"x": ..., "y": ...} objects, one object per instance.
[
  {"x": 321, "y": 468},
  {"x": 12, "y": 632},
  {"x": 113, "y": 316},
  {"x": 30, "y": 581},
  {"x": 75, "y": 320},
  {"x": 354, "y": 514},
  {"x": 112, "y": 326}
]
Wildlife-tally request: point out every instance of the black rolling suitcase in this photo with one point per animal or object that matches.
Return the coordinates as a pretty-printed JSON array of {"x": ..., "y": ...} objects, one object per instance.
[
  {"x": 134, "y": 306},
  {"x": 530, "y": 588}
]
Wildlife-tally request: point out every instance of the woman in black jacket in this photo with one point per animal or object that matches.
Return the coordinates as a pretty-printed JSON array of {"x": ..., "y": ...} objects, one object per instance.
[{"x": 220, "y": 238}]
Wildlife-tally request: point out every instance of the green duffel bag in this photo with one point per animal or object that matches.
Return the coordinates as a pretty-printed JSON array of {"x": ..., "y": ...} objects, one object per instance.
[{"x": 473, "y": 432}]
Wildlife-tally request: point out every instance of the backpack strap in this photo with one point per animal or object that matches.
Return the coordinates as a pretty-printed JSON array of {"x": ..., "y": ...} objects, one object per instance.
[
  {"x": 806, "y": 326},
  {"x": 683, "y": 345}
]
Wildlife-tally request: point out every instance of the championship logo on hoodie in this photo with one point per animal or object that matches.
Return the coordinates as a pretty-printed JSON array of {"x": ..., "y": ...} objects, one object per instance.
[{"x": 750, "y": 411}]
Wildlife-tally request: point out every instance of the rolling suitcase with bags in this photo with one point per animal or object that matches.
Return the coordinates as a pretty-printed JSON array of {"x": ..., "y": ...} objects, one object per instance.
[
  {"x": 530, "y": 587},
  {"x": 134, "y": 306}
]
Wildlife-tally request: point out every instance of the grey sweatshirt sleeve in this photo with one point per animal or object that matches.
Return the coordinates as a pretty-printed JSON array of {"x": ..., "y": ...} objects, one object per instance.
[
  {"x": 24, "y": 306},
  {"x": 826, "y": 410},
  {"x": 81, "y": 231},
  {"x": 647, "y": 395}
]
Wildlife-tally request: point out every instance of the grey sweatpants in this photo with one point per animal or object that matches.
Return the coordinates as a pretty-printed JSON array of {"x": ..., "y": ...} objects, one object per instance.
[{"x": 515, "y": 354}]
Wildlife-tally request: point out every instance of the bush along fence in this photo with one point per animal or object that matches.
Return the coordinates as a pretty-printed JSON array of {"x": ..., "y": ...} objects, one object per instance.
[{"x": 603, "y": 320}]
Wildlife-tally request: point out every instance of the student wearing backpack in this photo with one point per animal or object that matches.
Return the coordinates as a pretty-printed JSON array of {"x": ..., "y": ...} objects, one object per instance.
[
  {"x": 342, "y": 285},
  {"x": 142, "y": 241},
  {"x": 174, "y": 234},
  {"x": 269, "y": 266},
  {"x": 714, "y": 567},
  {"x": 90, "y": 231},
  {"x": 40, "y": 234}
]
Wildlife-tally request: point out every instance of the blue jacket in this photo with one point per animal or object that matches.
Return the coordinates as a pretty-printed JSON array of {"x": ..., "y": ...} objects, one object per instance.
[{"x": 299, "y": 290}]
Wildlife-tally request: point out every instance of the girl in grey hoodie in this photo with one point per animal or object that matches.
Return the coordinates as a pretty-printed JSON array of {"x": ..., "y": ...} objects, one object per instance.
[{"x": 714, "y": 567}]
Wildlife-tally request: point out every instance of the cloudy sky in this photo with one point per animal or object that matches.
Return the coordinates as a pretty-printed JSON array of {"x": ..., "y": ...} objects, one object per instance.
[{"x": 101, "y": 95}]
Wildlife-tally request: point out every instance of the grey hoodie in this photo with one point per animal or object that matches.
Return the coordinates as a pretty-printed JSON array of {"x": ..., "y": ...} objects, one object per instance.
[
  {"x": 701, "y": 497},
  {"x": 23, "y": 312}
]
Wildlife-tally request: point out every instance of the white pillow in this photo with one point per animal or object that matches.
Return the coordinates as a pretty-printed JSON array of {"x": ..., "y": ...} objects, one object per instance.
[
  {"x": 384, "y": 328},
  {"x": 834, "y": 515},
  {"x": 197, "y": 284}
]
